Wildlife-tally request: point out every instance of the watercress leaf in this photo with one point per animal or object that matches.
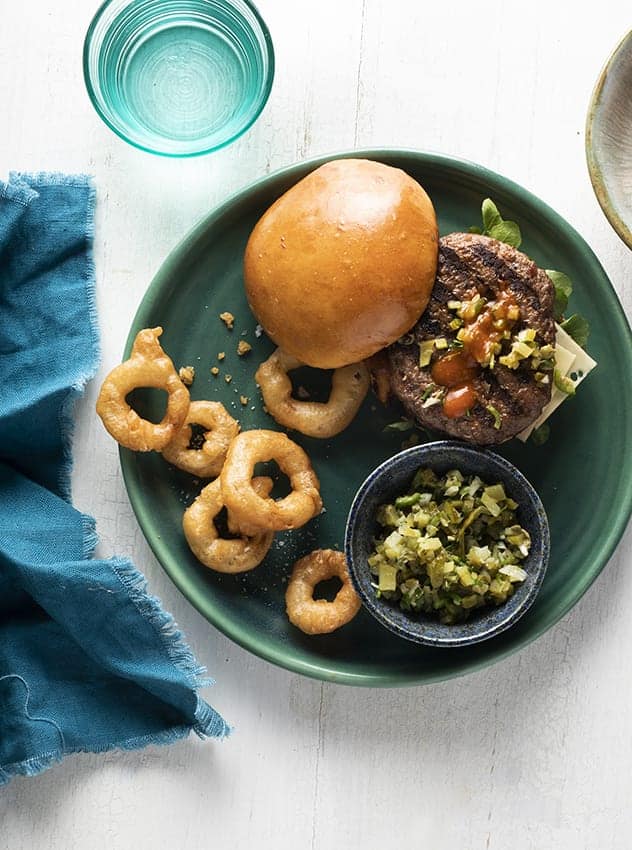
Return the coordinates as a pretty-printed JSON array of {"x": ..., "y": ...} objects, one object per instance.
[
  {"x": 495, "y": 226},
  {"x": 400, "y": 425},
  {"x": 563, "y": 290},
  {"x": 540, "y": 435},
  {"x": 578, "y": 328},
  {"x": 506, "y": 231},
  {"x": 491, "y": 216}
]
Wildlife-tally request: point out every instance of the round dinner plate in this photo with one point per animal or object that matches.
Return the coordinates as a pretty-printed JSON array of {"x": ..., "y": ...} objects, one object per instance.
[{"x": 583, "y": 474}]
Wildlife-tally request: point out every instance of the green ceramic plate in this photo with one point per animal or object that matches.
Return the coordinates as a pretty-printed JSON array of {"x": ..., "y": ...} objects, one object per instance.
[{"x": 583, "y": 474}]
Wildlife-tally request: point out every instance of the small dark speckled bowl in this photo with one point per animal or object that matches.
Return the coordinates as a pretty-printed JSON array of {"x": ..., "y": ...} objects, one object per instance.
[{"x": 392, "y": 479}]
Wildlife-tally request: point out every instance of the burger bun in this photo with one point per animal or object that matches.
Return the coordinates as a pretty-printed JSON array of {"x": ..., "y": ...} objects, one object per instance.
[{"x": 343, "y": 263}]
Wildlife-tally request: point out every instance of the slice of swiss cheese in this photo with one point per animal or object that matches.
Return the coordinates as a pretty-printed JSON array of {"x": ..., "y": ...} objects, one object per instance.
[{"x": 572, "y": 362}]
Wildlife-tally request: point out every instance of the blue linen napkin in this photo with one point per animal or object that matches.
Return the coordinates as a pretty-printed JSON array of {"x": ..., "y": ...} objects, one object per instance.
[{"x": 88, "y": 660}]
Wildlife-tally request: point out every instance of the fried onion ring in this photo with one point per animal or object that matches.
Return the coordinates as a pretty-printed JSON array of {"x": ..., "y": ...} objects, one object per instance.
[
  {"x": 380, "y": 372},
  {"x": 318, "y": 616},
  {"x": 218, "y": 553},
  {"x": 250, "y": 510},
  {"x": 207, "y": 461},
  {"x": 148, "y": 366},
  {"x": 349, "y": 386}
]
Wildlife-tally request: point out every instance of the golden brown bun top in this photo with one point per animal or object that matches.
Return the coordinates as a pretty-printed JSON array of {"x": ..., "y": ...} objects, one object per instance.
[{"x": 343, "y": 263}]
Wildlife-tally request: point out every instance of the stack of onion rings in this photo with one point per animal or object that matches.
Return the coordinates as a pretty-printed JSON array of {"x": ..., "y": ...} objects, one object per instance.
[
  {"x": 349, "y": 386},
  {"x": 231, "y": 457},
  {"x": 252, "y": 511},
  {"x": 218, "y": 553},
  {"x": 148, "y": 366},
  {"x": 318, "y": 616},
  {"x": 207, "y": 461}
]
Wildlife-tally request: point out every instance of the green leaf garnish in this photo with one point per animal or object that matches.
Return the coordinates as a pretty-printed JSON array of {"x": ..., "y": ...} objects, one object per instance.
[
  {"x": 495, "y": 226},
  {"x": 491, "y": 216},
  {"x": 400, "y": 425},
  {"x": 578, "y": 328},
  {"x": 507, "y": 232},
  {"x": 563, "y": 290},
  {"x": 540, "y": 435}
]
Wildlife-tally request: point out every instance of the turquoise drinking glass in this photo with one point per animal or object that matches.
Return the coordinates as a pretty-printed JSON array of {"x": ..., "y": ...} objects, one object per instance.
[{"x": 178, "y": 77}]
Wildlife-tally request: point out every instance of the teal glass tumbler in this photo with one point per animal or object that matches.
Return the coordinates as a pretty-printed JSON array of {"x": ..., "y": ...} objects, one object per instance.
[{"x": 178, "y": 77}]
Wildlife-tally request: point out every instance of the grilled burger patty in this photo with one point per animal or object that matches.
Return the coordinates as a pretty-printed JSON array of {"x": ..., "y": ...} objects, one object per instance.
[{"x": 498, "y": 281}]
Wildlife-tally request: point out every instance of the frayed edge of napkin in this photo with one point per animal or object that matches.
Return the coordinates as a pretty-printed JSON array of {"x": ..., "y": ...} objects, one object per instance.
[
  {"x": 207, "y": 723},
  {"x": 66, "y": 416},
  {"x": 22, "y": 187},
  {"x": 29, "y": 767},
  {"x": 150, "y": 608},
  {"x": 34, "y": 766},
  {"x": 17, "y": 190}
]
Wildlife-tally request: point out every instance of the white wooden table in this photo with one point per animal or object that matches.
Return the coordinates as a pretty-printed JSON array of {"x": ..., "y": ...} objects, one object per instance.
[{"x": 534, "y": 752}]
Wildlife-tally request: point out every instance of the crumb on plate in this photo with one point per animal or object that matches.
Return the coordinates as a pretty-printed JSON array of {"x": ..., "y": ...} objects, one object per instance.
[
  {"x": 228, "y": 319},
  {"x": 243, "y": 347},
  {"x": 187, "y": 375}
]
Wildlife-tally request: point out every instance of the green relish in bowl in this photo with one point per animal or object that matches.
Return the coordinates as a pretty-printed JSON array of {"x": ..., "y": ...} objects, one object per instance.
[
  {"x": 447, "y": 544},
  {"x": 450, "y": 545}
]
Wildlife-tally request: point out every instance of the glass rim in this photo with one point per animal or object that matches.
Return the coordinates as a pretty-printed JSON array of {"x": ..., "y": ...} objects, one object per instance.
[{"x": 265, "y": 46}]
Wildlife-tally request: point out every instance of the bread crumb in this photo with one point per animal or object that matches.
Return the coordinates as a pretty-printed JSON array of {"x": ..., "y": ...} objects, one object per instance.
[
  {"x": 221, "y": 355},
  {"x": 228, "y": 319},
  {"x": 244, "y": 399},
  {"x": 215, "y": 371},
  {"x": 243, "y": 347},
  {"x": 302, "y": 392},
  {"x": 258, "y": 331},
  {"x": 228, "y": 378},
  {"x": 187, "y": 375}
]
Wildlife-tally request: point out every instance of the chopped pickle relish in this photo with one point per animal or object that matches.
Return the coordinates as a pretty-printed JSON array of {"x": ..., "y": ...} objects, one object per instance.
[{"x": 448, "y": 546}]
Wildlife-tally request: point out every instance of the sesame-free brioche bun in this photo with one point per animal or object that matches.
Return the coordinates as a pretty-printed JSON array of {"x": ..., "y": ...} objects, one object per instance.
[{"x": 343, "y": 263}]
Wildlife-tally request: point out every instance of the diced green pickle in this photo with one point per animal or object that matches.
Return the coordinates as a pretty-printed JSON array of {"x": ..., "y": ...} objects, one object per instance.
[
  {"x": 426, "y": 347},
  {"x": 388, "y": 577},
  {"x": 407, "y": 501},
  {"x": 450, "y": 545}
]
